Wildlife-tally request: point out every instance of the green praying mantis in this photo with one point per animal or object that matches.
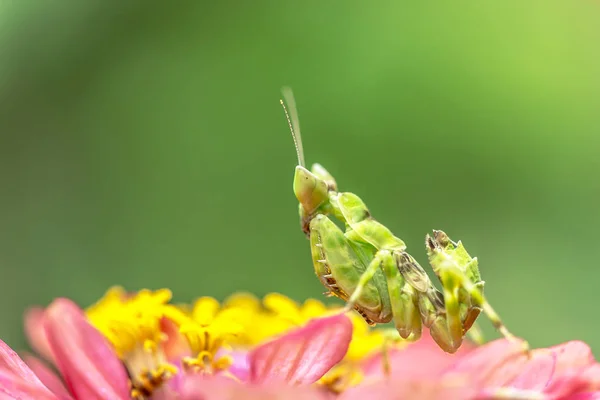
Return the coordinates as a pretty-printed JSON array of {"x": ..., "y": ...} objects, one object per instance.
[{"x": 368, "y": 267}]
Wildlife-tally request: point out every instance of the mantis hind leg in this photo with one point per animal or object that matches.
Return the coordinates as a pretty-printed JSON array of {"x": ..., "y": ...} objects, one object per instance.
[{"x": 403, "y": 299}]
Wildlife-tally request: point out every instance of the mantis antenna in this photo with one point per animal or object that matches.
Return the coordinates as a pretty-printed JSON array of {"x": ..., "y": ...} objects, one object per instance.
[{"x": 293, "y": 122}]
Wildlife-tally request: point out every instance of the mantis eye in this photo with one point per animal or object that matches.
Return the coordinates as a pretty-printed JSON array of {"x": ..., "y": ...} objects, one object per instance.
[{"x": 310, "y": 190}]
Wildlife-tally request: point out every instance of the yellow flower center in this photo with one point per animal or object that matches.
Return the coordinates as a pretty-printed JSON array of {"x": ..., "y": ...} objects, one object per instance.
[
  {"x": 207, "y": 331},
  {"x": 145, "y": 329}
]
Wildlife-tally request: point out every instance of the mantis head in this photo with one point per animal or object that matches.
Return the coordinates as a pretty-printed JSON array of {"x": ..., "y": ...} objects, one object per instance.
[{"x": 310, "y": 187}]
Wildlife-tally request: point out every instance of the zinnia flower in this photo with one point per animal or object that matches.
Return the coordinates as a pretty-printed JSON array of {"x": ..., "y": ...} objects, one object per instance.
[
  {"x": 501, "y": 369},
  {"x": 140, "y": 346}
]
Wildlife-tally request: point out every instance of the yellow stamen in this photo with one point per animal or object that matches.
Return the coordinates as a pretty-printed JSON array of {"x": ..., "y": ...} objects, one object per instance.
[
  {"x": 208, "y": 331},
  {"x": 148, "y": 381}
]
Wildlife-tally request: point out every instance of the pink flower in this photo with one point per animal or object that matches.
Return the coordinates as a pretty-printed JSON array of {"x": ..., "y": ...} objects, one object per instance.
[
  {"x": 501, "y": 369},
  {"x": 136, "y": 346},
  {"x": 92, "y": 370}
]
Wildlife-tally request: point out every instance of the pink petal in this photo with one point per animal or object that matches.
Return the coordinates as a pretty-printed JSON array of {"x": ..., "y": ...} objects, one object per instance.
[
  {"x": 89, "y": 366},
  {"x": 575, "y": 380},
  {"x": 421, "y": 389},
  {"x": 572, "y": 358},
  {"x": 11, "y": 364},
  {"x": 303, "y": 355},
  {"x": 492, "y": 365},
  {"x": 240, "y": 367},
  {"x": 175, "y": 346},
  {"x": 537, "y": 373},
  {"x": 36, "y": 335},
  {"x": 48, "y": 377},
  {"x": 422, "y": 359},
  {"x": 573, "y": 354},
  {"x": 584, "y": 396},
  {"x": 197, "y": 387},
  {"x": 15, "y": 387}
]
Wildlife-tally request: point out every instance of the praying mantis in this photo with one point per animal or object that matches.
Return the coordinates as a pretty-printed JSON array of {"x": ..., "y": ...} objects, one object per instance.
[{"x": 368, "y": 267}]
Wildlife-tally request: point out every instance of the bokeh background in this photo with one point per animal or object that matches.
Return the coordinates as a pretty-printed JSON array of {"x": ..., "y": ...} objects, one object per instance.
[{"x": 142, "y": 143}]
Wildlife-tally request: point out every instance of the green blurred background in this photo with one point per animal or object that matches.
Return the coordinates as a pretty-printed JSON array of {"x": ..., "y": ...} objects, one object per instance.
[{"x": 143, "y": 144}]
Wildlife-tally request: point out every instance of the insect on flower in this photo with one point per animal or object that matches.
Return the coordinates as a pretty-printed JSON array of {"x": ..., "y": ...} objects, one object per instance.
[{"x": 368, "y": 267}]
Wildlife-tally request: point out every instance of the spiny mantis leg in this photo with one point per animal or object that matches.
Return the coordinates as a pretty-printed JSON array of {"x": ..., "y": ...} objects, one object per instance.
[
  {"x": 434, "y": 311},
  {"x": 442, "y": 317},
  {"x": 403, "y": 297}
]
